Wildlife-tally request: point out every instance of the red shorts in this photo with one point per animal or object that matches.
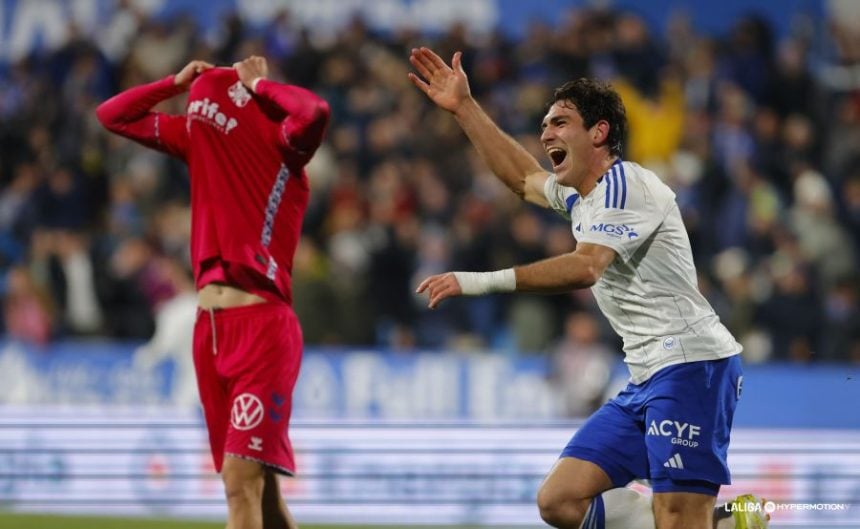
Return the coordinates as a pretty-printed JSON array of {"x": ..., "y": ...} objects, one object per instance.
[{"x": 247, "y": 360}]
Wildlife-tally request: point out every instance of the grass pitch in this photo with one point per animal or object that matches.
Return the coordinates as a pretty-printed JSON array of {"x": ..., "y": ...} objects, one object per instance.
[{"x": 35, "y": 521}]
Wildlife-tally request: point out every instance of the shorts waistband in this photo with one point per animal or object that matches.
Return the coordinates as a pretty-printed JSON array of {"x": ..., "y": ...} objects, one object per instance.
[{"x": 245, "y": 310}]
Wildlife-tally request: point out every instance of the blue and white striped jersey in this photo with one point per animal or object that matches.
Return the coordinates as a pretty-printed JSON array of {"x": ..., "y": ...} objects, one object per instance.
[{"x": 649, "y": 292}]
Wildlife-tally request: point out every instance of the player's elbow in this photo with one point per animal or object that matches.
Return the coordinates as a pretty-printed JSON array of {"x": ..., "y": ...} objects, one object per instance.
[
  {"x": 588, "y": 276},
  {"x": 516, "y": 181},
  {"x": 519, "y": 190},
  {"x": 582, "y": 277},
  {"x": 106, "y": 116},
  {"x": 320, "y": 112},
  {"x": 316, "y": 122}
]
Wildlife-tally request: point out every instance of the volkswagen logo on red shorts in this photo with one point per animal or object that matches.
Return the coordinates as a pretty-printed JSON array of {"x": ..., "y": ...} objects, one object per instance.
[{"x": 247, "y": 412}]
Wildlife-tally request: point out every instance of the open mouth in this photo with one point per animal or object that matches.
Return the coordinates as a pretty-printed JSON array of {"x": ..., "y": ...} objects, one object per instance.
[{"x": 557, "y": 156}]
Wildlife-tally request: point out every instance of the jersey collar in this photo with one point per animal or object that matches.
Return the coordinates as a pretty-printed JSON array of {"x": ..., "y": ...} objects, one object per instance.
[{"x": 603, "y": 177}]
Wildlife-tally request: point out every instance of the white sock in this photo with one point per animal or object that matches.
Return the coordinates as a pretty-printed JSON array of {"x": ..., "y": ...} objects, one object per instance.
[
  {"x": 620, "y": 508},
  {"x": 725, "y": 523},
  {"x": 624, "y": 508}
]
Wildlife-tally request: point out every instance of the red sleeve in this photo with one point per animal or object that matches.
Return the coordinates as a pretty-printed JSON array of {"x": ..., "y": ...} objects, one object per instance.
[
  {"x": 129, "y": 114},
  {"x": 307, "y": 115}
]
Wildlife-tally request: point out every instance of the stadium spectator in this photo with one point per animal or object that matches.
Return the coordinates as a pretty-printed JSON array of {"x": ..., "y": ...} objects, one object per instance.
[
  {"x": 583, "y": 364},
  {"x": 174, "y": 316},
  {"x": 27, "y": 310}
]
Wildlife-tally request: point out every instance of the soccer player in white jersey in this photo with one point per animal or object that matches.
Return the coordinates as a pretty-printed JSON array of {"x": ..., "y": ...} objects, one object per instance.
[{"x": 671, "y": 423}]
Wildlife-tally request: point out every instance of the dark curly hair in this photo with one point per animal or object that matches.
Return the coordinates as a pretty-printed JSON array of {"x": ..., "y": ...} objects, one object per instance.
[{"x": 595, "y": 101}]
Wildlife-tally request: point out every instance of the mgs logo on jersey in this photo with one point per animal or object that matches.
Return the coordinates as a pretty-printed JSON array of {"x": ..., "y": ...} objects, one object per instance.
[
  {"x": 682, "y": 433},
  {"x": 615, "y": 230}
]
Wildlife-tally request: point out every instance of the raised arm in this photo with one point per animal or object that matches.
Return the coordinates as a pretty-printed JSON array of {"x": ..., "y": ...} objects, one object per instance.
[
  {"x": 129, "y": 113},
  {"x": 449, "y": 88},
  {"x": 307, "y": 114}
]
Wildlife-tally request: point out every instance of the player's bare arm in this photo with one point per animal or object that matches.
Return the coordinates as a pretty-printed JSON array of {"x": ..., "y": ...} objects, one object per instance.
[
  {"x": 448, "y": 87},
  {"x": 579, "y": 269}
]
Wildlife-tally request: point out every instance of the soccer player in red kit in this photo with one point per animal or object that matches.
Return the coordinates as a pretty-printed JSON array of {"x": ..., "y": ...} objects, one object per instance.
[{"x": 246, "y": 140}]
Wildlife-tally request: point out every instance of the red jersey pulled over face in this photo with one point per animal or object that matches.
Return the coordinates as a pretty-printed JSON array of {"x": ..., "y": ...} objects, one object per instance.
[{"x": 246, "y": 155}]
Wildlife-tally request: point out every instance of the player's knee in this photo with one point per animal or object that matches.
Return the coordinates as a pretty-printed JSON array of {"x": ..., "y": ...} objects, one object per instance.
[
  {"x": 243, "y": 491},
  {"x": 558, "y": 511},
  {"x": 243, "y": 483}
]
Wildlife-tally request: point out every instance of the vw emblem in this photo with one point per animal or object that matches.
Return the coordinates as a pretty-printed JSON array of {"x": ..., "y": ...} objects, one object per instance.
[{"x": 247, "y": 412}]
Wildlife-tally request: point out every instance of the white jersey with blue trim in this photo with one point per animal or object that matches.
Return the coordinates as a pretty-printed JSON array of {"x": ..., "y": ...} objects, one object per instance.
[{"x": 649, "y": 292}]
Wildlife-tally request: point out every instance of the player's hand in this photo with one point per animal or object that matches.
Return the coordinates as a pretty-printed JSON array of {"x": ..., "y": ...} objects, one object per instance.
[
  {"x": 190, "y": 72},
  {"x": 439, "y": 287},
  {"x": 447, "y": 86},
  {"x": 254, "y": 67}
]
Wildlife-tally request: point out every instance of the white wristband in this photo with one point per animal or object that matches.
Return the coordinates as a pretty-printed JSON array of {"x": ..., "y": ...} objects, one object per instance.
[
  {"x": 254, "y": 84},
  {"x": 479, "y": 283}
]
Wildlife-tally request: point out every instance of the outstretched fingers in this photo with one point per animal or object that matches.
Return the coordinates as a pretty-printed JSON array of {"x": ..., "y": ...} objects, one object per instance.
[
  {"x": 428, "y": 63},
  {"x": 430, "y": 56},
  {"x": 424, "y": 284},
  {"x": 431, "y": 286},
  {"x": 420, "y": 66},
  {"x": 424, "y": 87}
]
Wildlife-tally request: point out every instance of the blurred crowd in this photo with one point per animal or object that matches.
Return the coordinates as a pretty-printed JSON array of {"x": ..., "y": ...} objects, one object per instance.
[{"x": 759, "y": 137}]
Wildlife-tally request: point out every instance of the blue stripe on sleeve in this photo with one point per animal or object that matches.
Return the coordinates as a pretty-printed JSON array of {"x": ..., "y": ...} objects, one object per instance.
[
  {"x": 615, "y": 184},
  {"x": 608, "y": 192},
  {"x": 570, "y": 201},
  {"x": 623, "y": 186}
]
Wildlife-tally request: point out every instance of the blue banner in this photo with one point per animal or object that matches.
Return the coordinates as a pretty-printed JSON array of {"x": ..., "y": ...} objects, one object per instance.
[
  {"x": 347, "y": 384},
  {"x": 372, "y": 385},
  {"x": 80, "y": 373}
]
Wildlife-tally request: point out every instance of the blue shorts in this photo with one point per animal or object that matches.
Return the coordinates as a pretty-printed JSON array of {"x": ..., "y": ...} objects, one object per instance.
[{"x": 672, "y": 429}]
